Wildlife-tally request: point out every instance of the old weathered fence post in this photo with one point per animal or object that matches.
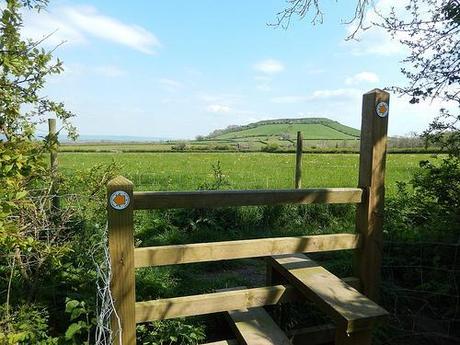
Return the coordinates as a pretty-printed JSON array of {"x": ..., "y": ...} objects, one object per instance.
[
  {"x": 53, "y": 141},
  {"x": 298, "y": 161},
  {"x": 369, "y": 217},
  {"x": 121, "y": 247}
]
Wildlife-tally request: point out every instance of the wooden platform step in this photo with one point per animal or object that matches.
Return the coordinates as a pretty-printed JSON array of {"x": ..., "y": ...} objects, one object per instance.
[
  {"x": 352, "y": 311},
  {"x": 255, "y": 327},
  {"x": 223, "y": 342}
]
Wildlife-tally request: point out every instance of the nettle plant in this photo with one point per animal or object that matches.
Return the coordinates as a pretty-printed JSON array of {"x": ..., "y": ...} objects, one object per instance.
[{"x": 30, "y": 240}]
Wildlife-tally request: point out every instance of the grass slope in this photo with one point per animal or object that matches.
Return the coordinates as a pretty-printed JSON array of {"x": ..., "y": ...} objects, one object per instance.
[{"x": 312, "y": 128}]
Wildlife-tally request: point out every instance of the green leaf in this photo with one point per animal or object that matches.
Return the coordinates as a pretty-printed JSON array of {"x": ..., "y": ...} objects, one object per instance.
[{"x": 74, "y": 329}]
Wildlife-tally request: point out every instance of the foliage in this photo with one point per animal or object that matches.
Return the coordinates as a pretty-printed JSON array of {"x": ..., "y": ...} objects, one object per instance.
[
  {"x": 44, "y": 250},
  {"x": 25, "y": 325},
  {"x": 170, "y": 332},
  {"x": 428, "y": 206},
  {"x": 179, "y": 147},
  {"x": 271, "y": 147}
]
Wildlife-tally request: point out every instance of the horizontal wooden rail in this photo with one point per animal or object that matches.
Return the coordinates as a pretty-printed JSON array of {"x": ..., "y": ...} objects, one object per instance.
[
  {"x": 211, "y": 199},
  {"x": 170, "y": 308},
  {"x": 216, "y": 302},
  {"x": 229, "y": 250}
]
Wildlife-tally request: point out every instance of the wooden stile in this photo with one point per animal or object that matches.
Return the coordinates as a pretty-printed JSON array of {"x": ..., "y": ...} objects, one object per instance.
[
  {"x": 294, "y": 274},
  {"x": 227, "y": 250},
  {"x": 212, "y": 199},
  {"x": 369, "y": 215},
  {"x": 121, "y": 246}
]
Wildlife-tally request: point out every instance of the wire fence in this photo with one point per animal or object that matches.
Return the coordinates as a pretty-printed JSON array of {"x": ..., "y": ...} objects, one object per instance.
[{"x": 420, "y": 290}]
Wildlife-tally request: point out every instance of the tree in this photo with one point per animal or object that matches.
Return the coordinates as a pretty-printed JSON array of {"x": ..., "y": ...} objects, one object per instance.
[
  {"x": 430, "y": 29},
  {"x": 29, "y": 242}
]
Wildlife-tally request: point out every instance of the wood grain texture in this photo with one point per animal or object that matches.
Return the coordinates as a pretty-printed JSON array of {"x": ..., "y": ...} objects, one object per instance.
[
  {"x": 212, "y": 199},
  {"x": 369, "y": 215},
  {"x": 215, "y": 251},
  {"x": 255, "y": 327},
  {"x": 223, "y": 342},
  {"x": 214, "y": 302},
  {"x": 336, "y": 298},
  {"x": 121, "y": 247}
]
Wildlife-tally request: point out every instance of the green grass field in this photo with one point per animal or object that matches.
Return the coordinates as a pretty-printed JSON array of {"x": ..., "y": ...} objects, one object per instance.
[
  {"x": 310, "y": 131},
  {"x": 186, "y": 171}
]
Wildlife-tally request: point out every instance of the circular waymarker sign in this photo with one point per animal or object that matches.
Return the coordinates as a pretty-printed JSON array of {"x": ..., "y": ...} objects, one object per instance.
[
  {"x": 382, "y": 109},
  {"x": 119, "y": 200}
]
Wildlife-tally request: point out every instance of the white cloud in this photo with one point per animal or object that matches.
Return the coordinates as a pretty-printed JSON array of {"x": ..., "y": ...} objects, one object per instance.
[
  {"x": 218, "y": 108},
  {"x": 263, "y": 83},
  {"x": 338, "y": 94},
  {"x": 289, "y": 99},
  {"x": 362, "y": 77},
  {"x": 110, "y": 71},
  {"x": 74, "y": 24},
  {"x": 170, "y": 84},
  {"x": 269, "y": 66}
]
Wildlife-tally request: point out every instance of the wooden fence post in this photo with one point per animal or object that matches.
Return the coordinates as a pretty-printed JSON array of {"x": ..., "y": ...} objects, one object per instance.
[
  {"x": 298, "y": 161},
  {"x": 121, "y": 247},
  {"x": 369, "y": 215},
  {"x": 52, "y": 137}
]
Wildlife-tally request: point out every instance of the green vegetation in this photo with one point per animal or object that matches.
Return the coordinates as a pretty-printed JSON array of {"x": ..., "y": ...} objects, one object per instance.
[
  {"x": 312, "y": 128},
  {"x": 186, "y": 171}
]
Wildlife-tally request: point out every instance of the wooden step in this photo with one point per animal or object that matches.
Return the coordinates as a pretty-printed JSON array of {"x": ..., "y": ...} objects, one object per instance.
[
  {"x": 353, "y": 311},
  {"x": 255, "y": 327},
  {"x": 223, "y": 342}
]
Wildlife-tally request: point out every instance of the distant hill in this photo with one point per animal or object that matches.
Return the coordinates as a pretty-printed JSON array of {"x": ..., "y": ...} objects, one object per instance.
[
  {"x": 111, "y": 139},
  {"x": 315, "y": 128}
]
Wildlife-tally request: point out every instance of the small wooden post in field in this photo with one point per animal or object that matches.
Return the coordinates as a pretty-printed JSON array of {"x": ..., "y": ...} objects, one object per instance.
[
  {"x": 369, "y": 216},
  {"x": 298, "y": 161},
  {"x": 121, "y": 247},
  {"x": 52, "y": 136}
]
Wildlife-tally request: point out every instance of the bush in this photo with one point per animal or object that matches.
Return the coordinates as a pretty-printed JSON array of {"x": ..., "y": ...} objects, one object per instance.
[
  {"x": 223, "y": 147},
  {"x": 429, "y": 205},
  {"x": 179, "y": 147},
  {"x": 170, "y": 332},
  {"x": 271, "y": 147}
]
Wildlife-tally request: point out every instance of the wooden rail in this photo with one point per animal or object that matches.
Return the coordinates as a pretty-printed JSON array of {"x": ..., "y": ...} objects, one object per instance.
[
  {"x": 221, "y": 301},
  {"x": 229, "y": 250},
  {"x": 290, "y": 275},
  {"x": 212, "y": 199}
]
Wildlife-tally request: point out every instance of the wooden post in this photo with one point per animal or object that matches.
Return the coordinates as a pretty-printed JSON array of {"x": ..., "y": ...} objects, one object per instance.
[
  {"x": 121, "y": 247},
  {"x": 369, "y": 215},
  {"x": 298, "y": 161},
  {"x": 52, "y": 137}
]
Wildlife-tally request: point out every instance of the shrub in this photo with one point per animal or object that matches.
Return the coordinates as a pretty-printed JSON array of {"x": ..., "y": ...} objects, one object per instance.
[
  {"x": 271, "y": 147},
  {"x": 179, "y": 147}
]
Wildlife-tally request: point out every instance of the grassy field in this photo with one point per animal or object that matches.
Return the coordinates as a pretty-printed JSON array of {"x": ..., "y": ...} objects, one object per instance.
[
  {"x": 186, "y": 171},
  {"x": 310, "y": 131}
]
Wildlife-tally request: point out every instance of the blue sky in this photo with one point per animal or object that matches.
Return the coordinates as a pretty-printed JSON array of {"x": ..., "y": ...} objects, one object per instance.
[{"x": 180, "y": 69}]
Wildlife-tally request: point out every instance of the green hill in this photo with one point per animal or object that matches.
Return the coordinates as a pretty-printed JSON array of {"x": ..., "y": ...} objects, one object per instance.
[{"x": 311, "y": 128}]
